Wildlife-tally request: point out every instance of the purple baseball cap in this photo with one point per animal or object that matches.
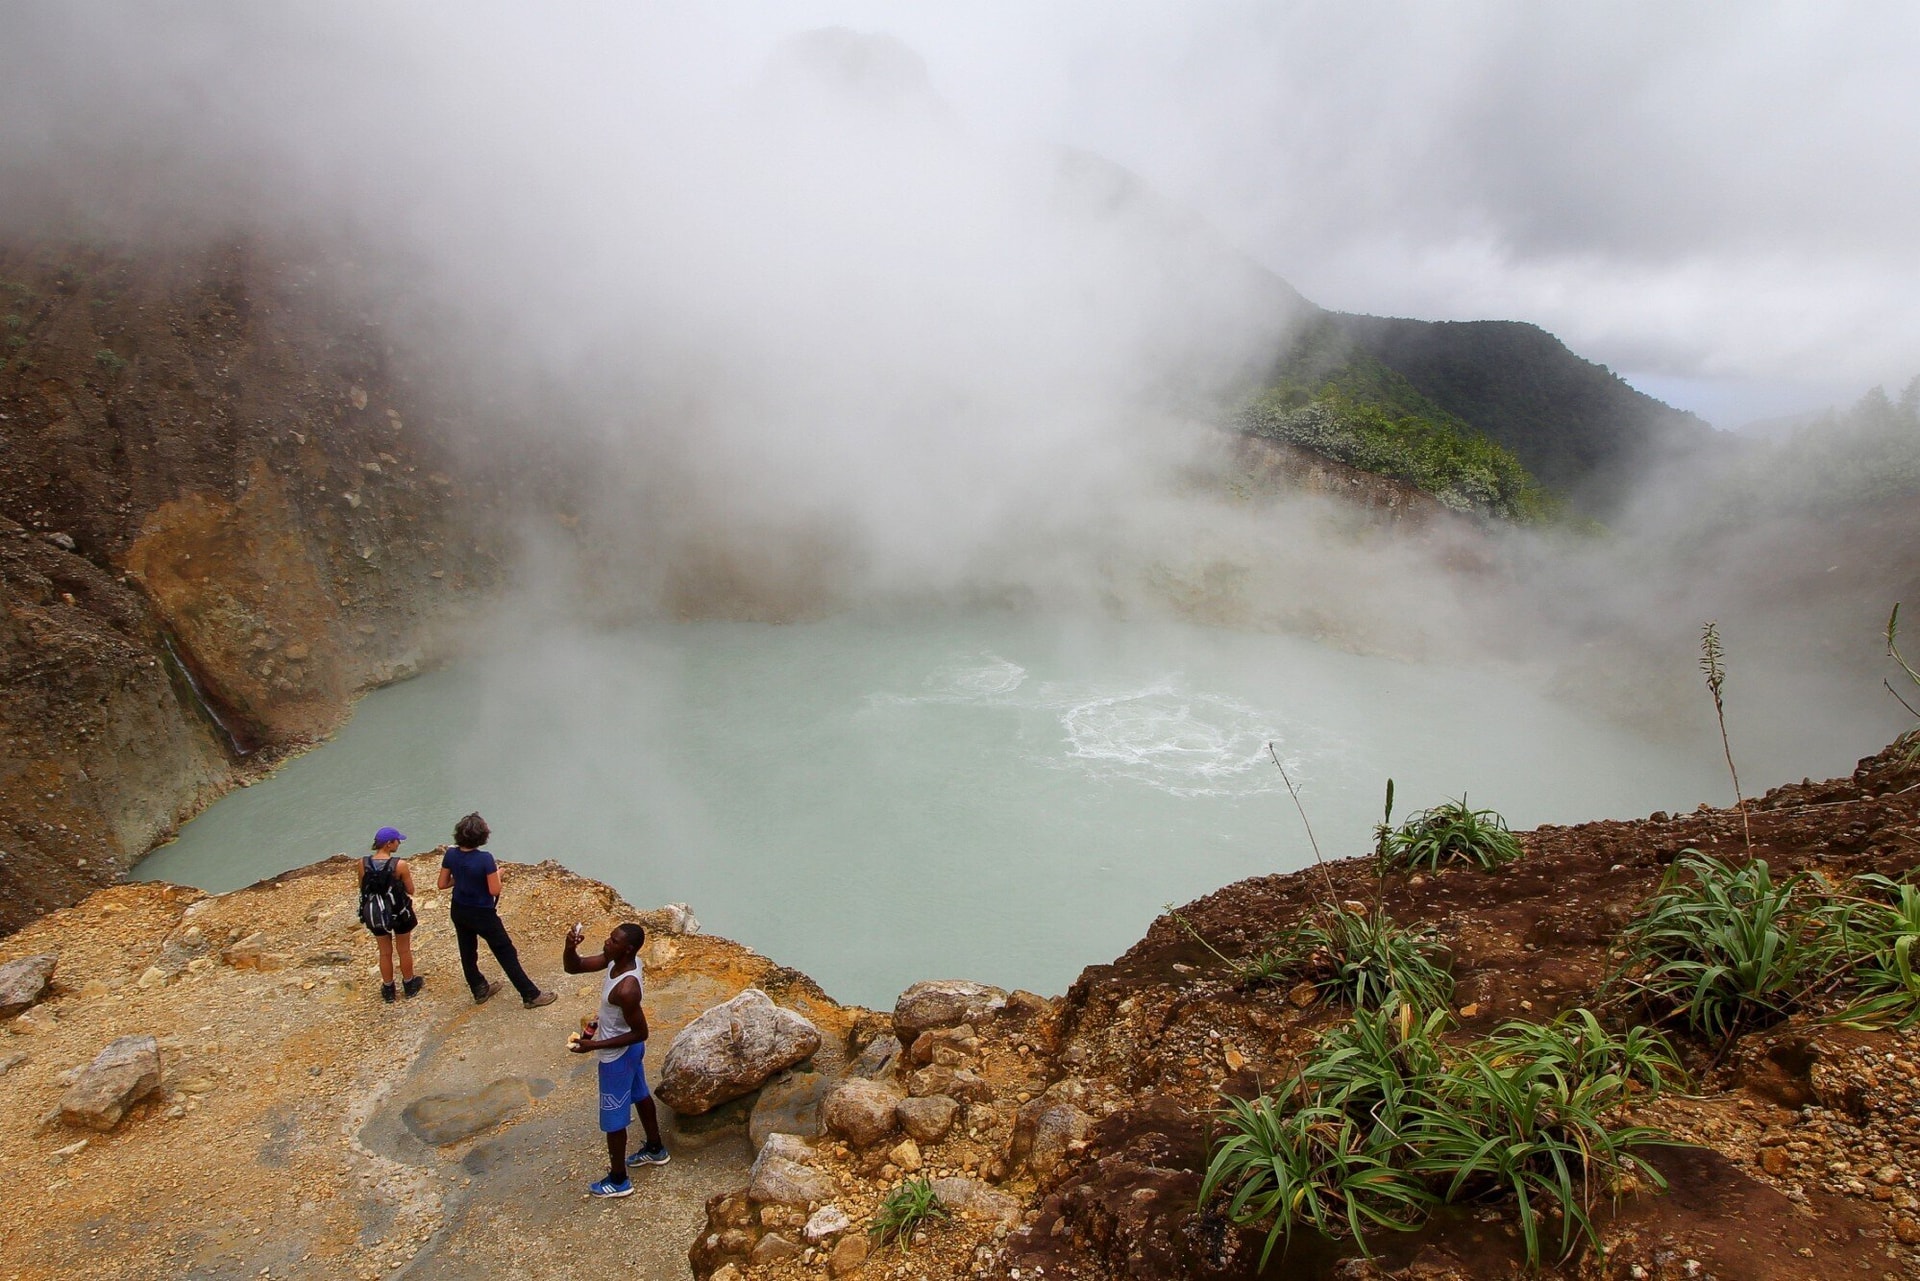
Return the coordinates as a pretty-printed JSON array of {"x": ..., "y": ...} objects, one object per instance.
[{"x": 386, "y": 834}]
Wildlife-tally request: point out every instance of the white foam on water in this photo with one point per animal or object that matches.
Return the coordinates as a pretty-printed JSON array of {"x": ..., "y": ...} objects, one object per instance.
[
  {"x": 1185, "y": 742},
  {"x": 993, "y": 678}
]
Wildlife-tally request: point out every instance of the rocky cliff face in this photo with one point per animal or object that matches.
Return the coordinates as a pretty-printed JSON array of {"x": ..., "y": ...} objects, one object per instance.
[{"x": 224, "y": 511}]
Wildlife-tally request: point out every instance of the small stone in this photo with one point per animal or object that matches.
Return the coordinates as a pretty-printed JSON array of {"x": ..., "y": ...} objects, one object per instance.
[
  {"x": 848, "y": 1256},
  {"x": 23, "y": 983},
  {"x": 927, "y": 1120},
  {"x": 1470, "y": 1010},
  {"x": 1906, "y": 1228},
  {"x": 1235, "y": 1059},
  {"x": 1776, "y": 1161},
  {"x": 906, "y": 1155},
  {"x": 120, "y": 1076},
  {"x": 827, "y": 1221},
  {"x": 1303, "y": 995},
  {"x": 773, "y": 1247},
  {"x": 860, "y": 1111}
]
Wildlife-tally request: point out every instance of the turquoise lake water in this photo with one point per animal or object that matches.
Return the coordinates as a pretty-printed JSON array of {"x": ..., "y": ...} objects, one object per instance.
[{"x": 1002, "y": 798}]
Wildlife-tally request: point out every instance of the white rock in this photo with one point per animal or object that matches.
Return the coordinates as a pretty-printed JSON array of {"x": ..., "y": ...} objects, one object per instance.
[{"x": 827, "y": 1221}]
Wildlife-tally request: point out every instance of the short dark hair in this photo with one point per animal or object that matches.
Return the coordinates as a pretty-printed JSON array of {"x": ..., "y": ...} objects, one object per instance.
[
  {"x": 632, "y": 933},
  {"x": 471, "y": 832}
]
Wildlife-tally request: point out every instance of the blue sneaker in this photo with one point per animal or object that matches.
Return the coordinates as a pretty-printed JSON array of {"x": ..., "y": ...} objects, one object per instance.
[
  {"x": 651, "y": 1154},
  {"x": 608, "y": 1188}
]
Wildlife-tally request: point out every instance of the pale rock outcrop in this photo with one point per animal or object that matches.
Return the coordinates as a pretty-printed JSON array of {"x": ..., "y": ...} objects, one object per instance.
[
  {"x": 24, "y": 982},
  {"x": 927, "y": 1120},
  {"x": 937, "y": 1003},
  {"x": 120, "y": 1076},
  {"x": 957, "y": 1083},
  {"x": 956, "y": 1046},
  {"x": 730, "y": 1050},
  {"x": 975, "y": 1200},
  {"x": 860, "y": 1111},
  {"x": 779, "y": 1181}
]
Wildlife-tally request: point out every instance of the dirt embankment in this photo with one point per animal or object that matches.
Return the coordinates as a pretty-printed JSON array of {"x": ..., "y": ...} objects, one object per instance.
[{"x": 225, "y": 510}]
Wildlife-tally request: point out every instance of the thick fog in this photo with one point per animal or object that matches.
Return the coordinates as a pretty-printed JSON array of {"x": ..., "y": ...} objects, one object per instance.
[{"x": 864, "y": 302}]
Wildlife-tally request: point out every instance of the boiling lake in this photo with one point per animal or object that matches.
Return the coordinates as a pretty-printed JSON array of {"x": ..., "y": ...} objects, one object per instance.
[{"x": 878, "y": 801}]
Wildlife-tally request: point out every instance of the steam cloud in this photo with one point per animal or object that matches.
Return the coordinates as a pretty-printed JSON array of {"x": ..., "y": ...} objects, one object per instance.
[{"x": 844, "y": 319}]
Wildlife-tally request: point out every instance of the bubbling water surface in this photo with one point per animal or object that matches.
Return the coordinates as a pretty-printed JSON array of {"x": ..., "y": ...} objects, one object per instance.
[{"x": 875, "y": 801}]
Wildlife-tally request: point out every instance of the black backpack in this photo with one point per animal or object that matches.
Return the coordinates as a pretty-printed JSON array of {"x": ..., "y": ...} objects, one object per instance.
[{"x": 385, "y": 907}]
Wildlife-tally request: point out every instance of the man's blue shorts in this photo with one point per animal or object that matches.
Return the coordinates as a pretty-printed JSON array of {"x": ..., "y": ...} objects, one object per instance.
[{"x": 623, "y": 1083}]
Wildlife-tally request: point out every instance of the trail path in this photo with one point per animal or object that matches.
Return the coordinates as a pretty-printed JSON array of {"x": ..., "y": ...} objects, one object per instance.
[{"x": 281, "y": 1143}]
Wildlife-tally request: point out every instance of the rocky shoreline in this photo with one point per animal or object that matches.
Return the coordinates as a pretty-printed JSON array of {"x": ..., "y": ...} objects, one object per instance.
[{"x": 300, "y": 1128}]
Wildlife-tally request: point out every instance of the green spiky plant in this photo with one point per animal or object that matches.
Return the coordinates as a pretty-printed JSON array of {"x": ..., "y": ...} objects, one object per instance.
[
  {"x": 1363, "y": 958},
  {"x": 1873, "y": 935},
  {"x": 1724, "y": 949},
  {"x": 1384, "y": 1121},
  {"x": 1451, "y": 832},
  {"x": 910, "y": 1206}
]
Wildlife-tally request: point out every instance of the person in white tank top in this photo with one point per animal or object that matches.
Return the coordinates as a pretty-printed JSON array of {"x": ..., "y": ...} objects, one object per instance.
[{"x": 619, "y": 1037}]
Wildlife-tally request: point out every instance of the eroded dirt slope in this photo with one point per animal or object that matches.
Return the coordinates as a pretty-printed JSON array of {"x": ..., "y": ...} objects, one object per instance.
[{"x": 215, "y": 474}]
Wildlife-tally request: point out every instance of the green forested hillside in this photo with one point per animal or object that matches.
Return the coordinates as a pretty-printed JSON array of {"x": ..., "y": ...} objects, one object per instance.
[
  {"x": 1354, "y": 409},
  {"x": 1579, "y": 431}
]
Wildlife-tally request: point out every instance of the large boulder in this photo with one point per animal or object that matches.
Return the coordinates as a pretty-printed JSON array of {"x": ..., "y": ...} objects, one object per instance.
[
  {"x": 731, "y": 1050},
  {"x": 120, "y": 1076},
  {"x": 860, "y": 1111},
  {"x": 24, "y": 982},
  {"x": 939, "y": 1003}
]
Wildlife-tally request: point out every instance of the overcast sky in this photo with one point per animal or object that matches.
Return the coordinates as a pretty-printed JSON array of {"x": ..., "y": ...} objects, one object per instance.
[{"x": 1718, "y": 201}]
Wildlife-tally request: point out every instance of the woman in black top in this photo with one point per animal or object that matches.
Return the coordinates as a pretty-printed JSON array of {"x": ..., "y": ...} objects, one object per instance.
[{"x": 474, "y": 878}]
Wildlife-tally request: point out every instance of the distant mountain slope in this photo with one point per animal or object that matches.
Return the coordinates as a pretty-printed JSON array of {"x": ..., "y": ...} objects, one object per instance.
[{"x": 1578, "y": 427}]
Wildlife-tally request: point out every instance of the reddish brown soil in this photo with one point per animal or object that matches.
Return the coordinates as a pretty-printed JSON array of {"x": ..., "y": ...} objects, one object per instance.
[{"x": 1169, "y": 1023}]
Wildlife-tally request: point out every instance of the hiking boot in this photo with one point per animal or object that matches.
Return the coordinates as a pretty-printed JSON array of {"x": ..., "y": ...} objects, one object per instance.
[
  {"x": 607, "y": 1187},
  {"x": 651, "y": 1154},
  {"x": 386, "y": 993},
  {"x": 485, "y": 990},
  {"x": 413, "y": 985},
  {"x": 545, "y": 998}
]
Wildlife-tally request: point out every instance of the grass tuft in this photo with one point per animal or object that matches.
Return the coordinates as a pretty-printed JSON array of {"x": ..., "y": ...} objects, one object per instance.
[
  {"x": 1449, "y": 833},
  {"x": 905, "y": 1210},
  {"x": 1723, "y": 949},
  {"x": 1365, "y": 959},
  {"x": 1385, "y": 1121}
]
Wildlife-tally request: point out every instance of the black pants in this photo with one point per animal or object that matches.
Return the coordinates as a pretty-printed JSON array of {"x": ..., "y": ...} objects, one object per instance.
[{"x": 470, "y": 925}]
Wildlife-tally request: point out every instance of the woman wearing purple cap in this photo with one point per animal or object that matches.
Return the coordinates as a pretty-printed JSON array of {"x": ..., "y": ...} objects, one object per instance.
[{"x": 386, "y": 908}]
